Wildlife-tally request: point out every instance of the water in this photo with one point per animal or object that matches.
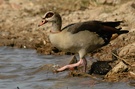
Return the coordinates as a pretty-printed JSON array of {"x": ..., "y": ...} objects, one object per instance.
[{"x": 18, "y": 69}]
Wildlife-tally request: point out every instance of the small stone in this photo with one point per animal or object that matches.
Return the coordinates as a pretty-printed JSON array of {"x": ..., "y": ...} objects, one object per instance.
[
  {"x": 100, "y": 67},
  {"x": 24, "y": 47}
]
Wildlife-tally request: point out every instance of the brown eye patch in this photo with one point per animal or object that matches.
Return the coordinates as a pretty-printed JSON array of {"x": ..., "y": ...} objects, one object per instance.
[{"x": 48, "y": 15}]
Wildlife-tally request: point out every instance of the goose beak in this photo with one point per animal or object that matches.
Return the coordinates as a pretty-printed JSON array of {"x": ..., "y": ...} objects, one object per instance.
[{"x": 42, "y": 23}]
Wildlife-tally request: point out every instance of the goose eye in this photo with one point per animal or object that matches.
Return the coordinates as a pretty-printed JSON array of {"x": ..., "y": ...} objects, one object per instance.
[{"x": 49, "y": 15}]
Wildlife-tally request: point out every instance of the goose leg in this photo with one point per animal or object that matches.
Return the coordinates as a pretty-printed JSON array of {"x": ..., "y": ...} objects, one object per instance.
[
  {"x": 71, "y": 66},
  {"x": 84, "y": 65}
]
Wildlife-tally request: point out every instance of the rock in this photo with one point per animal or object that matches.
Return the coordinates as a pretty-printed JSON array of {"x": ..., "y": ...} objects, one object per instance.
[
  {"x": 127, "y": 53},
  {"x": 132, "y": 74},
  {"x": 101, "y": 1},
  {"x": 100, "y": 67},
  {"x": 119, "y": 68},
  {"x": 111, "y": 2}
]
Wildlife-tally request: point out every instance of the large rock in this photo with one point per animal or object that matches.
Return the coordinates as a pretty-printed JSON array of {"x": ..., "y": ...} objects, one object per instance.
[{"x": 127, "y": 53}]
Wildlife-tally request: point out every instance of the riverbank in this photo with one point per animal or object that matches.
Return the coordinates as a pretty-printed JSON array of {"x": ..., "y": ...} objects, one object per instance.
[{"x": 19, "y": 20}]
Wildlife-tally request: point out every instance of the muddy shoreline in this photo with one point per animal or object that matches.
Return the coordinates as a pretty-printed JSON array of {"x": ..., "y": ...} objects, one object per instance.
[{"x": 19, "y": 20}]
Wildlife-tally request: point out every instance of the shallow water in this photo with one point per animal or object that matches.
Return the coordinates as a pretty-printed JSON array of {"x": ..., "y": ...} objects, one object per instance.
[{"x": 18, "y": 69}]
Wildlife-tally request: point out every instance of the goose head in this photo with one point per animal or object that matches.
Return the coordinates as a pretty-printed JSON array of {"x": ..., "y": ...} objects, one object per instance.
[{"x": 52, "y": 17}]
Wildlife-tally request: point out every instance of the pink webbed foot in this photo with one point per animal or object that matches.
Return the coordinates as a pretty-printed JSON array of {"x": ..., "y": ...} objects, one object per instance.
[{"x": 81, "y": 62}]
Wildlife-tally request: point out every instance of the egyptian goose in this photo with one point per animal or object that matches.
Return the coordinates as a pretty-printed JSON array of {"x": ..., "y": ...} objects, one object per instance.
[{"x": 81, "y": 37}]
